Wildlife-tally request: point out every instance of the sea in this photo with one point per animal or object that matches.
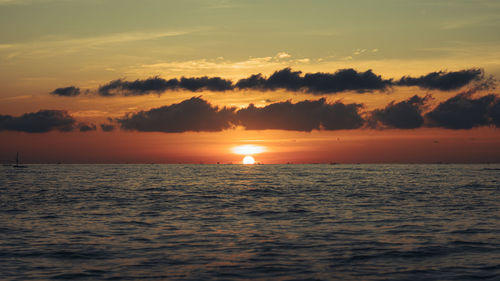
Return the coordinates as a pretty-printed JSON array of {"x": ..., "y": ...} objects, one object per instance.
[{"x": 256, "y": 222}]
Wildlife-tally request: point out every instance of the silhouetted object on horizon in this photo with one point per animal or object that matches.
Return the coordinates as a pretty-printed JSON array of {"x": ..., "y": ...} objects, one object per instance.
[{"x": 17, "y": 165}]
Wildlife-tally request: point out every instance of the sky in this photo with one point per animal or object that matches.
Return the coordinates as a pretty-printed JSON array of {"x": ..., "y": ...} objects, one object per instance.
[{"x": 359, "y": 81}]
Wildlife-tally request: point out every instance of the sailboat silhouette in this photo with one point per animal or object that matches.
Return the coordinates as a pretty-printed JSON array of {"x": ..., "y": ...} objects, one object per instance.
[{"x": 18, "y": 165}]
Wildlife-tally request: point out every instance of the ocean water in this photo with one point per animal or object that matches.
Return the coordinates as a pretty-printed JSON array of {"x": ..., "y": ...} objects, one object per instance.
[{"x": 264, "y": 222}]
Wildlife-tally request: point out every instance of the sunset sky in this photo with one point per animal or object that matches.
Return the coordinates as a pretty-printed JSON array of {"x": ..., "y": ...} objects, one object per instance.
[{"x": 150, "y": 81}]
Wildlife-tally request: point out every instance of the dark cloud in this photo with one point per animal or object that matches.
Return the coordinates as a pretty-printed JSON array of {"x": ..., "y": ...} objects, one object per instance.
[
  {"x": 38, "y": 122},
  {"x": 256, "y": 81},
  {"x": 83, "y": 127},
  {"x": 71, "y": 91},
  {"x": 197, "y": 115},
  {"x": 459, "y": 112},
  {"x": 464, "y": 112},
  {"x": 403, "y": 115},
  {"x": 345, "y": 80},
  {"x": 137, "y": 87},
  {"x": 302, "y": 116},
  {"x": 317, "y": 83},
  {"x": 215, "y": 84},
  {"x": 158, "y": 85},
  {"x": 285, "y": 79},
  {"x": 107, "y": 127},
  {"x": 194, "y": 114},
  {"x": 446, "y": 81}
]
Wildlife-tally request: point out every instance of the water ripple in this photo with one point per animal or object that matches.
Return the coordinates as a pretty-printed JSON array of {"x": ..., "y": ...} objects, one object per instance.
[{"x": 265, "y": 222}]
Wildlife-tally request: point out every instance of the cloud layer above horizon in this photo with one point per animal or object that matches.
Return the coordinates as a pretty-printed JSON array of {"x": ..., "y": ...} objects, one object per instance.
[
  {"x": 462, "y": 111},
  {"x": 43, "y": 121},
  {"x": 318, "y": 83}
]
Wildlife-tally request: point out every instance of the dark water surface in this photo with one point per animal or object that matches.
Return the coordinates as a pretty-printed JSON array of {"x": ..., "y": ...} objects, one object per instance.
[{"x": 268, "y": 222}]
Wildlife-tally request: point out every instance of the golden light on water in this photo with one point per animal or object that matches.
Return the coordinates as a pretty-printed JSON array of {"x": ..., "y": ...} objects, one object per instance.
[
  {"x": 248, "y": 149},
  {"x": 248, "y": 160}
]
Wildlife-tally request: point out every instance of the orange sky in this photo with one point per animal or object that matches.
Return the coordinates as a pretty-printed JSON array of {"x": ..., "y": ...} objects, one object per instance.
[
  {"x": 87, "y": 44},
  {"x": 347, "y": 146},
  {"x": 360, "y": 146}
]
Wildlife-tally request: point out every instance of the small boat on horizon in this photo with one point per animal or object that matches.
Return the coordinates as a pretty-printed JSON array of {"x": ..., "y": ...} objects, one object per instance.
[{"x": 18, "y": 165}]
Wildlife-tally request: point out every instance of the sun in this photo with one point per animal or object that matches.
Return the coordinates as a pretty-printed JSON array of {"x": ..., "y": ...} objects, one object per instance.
[
  {"x": 248, "y": 150},
  {"x": 248, "y": 160}
]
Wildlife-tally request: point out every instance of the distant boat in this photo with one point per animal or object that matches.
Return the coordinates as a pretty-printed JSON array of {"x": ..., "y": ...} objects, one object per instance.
[{"x": 18, "y": 165}]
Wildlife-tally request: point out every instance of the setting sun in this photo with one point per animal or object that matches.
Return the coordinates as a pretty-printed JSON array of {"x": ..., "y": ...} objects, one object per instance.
[{"x": 248, "y": 160}]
